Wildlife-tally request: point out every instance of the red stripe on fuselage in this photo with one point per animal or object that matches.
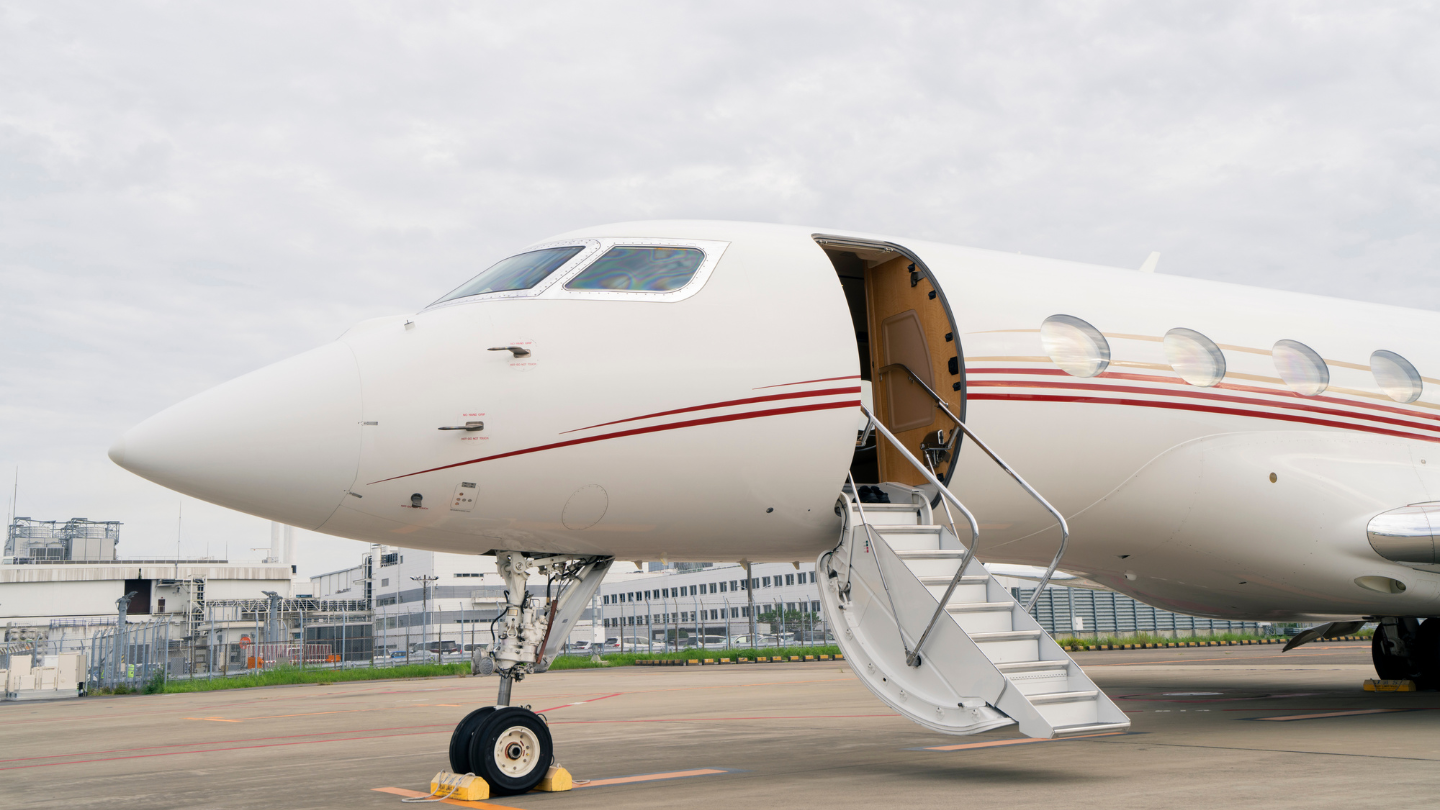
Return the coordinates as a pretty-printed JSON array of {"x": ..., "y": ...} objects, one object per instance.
[
  {"x": 1224, "y": 386},
  {"x": 712, "y": 420},
  {"x": 1187, "y": 406},
  {"x": 712, "y": 406},
  {"x": 1194, "y": 394},
  {"x": 807, "y": 382}
]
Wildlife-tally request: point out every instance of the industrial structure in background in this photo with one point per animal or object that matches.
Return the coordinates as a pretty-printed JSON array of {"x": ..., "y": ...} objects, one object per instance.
[
  {"x": 65, "y": 592},
  {"x": 75, "y": 540},
  {"x": 74, "y": 612}
]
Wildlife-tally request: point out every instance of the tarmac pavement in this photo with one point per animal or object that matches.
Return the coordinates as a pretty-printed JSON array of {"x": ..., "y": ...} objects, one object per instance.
[{"x": 1212, "y": 727}]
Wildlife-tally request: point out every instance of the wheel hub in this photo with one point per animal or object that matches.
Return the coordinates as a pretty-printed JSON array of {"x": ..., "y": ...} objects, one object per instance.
[{"x": 517, "y": 751}]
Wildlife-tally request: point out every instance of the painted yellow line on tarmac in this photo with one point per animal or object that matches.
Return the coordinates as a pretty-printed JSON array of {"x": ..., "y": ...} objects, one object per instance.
[
  {"x": 649, "y": 777},
  {"x": 417, "y": 794}
]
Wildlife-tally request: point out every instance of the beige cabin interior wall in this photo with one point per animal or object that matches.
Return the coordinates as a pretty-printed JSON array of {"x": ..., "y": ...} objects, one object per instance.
[{"x": 889, "y": 294}]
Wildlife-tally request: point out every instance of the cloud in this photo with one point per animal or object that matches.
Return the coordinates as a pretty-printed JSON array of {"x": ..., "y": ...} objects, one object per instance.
[{"x": 188, "y": 192}]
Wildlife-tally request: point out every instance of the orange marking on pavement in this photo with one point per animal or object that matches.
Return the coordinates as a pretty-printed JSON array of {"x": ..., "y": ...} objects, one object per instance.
[
  {"x": 214, "y": 719},
  {"x": 415, "y": 794},
  {"x": 649, "y": 777},
  {"x": 998, "y": 743},
  {"x": 1329, "y": 714}
]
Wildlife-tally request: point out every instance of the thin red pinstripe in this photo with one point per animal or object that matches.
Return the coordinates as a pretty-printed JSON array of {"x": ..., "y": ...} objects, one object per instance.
[
  {"x": 734, "y": 417},
  {"x": 807, "y": 382},
  {"x": 1249, "y": 389},
  {"x": 1191, "y": 393},
  {"x": 1187, "y": 406},
  {"x": 712, "y": 406}
]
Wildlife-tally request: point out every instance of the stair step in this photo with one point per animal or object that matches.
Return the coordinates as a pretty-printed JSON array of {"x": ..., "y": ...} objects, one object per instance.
[
  {"x": 1037, "y": 677},
  {"x": 983, "y": 617},
  {"x": 908, "y": 537},
  {"x": 929, "y": 553},
  {"x": 969, "y": 589},
  {"x": 1090, "y": 728},
  {"x": 978, "y": 607},
  {"x": 1063, "y": 697},
  {"x": 945, "y": 581},
  {"x": 887, "y": 515},
  {"x": 1009, "y": 635},
  {"x": 1033, "y": 666}
]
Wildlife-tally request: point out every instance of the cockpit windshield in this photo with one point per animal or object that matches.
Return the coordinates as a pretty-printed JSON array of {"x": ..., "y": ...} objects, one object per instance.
[
  {"x": 640, "y": 269},
  {"x": 517, "y": 272}
]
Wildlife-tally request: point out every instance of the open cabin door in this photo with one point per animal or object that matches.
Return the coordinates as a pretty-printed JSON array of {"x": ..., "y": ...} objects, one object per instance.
[{"x": 901, "y": 318}]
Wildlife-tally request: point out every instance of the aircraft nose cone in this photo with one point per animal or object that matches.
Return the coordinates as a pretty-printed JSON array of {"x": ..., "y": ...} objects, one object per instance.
[
  {"x": 282, "y": 442},
  {"x": 117, "y": 451}
]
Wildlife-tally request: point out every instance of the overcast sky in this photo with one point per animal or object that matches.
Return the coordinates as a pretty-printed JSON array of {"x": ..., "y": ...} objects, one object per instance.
[{"x": 190, "y": 191}]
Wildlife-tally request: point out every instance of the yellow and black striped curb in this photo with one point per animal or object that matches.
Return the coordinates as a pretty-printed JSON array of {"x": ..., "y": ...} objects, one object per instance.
[
  {"x": 1166, "y": 645},
  {"x": 759, "y": 659}
]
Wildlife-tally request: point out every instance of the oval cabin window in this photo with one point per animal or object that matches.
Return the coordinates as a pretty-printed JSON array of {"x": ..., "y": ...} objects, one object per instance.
[
  {"x": 1194, "y": 357},
  {"x": 1396, "y": 377},
  {"x": 1074, "y": 345},
  {"x": 1300, "y": 367}
]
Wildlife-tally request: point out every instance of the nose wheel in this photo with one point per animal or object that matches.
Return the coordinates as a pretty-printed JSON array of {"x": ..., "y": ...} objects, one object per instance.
[
  {"x": 508, "y": 747},
  {"x": 460, "y": 739}
]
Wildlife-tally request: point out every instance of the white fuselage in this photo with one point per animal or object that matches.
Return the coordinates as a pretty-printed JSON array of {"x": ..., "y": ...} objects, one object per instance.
[{"x": 719, "y": 424}]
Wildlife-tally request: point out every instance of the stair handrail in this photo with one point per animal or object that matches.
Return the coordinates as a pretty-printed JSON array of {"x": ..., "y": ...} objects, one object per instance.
[
  {"x": 1064, "y": 527},
  {"x": 870, "y": 536},
  {"x": 912, "y": 656}
]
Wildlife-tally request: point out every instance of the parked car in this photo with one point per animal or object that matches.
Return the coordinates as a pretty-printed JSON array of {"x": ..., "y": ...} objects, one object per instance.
[
  {"x": 703, "y": 642},
  {"x": 743, "y": 641},
  {"x": 611, "y": 645}
]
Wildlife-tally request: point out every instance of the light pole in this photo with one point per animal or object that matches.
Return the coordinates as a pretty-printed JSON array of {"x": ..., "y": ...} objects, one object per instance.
[
  {"x": 750, "y": 602},
  {"x": 123, "y": 606},
  {"x": 272, "y": 622},
  {"x": 425, "y": 580}
]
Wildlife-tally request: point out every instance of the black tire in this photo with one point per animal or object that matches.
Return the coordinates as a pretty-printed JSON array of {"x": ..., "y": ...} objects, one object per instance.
[
  {"x": 1427, "y": 654},
  {"x": 512, "y": 751},
  {"x": 1388, "y": 667},
  {"x": 460, "y": 739}
]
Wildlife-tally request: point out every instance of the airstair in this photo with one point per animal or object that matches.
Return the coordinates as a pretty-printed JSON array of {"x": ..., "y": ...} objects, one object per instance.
[{"x": 934, "y": 635}]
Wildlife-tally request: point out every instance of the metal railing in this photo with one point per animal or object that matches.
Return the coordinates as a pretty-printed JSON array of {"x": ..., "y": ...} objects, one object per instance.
[
  {"x": 1064, "y": 527},
  {"x": 912, "y": 657}
]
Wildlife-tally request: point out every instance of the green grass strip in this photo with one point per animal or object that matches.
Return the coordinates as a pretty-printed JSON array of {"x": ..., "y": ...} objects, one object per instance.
[{"x": 280, "y": 676}]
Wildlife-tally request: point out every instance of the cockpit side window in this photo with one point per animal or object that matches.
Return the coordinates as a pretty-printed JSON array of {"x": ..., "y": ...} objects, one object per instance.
[
  {"x": 517, "y": 272},
  {"x": 626, "y": 268}
]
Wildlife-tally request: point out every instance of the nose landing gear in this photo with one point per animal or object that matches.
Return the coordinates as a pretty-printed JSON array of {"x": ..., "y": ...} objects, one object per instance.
[{"x": 510, "y": 746}]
